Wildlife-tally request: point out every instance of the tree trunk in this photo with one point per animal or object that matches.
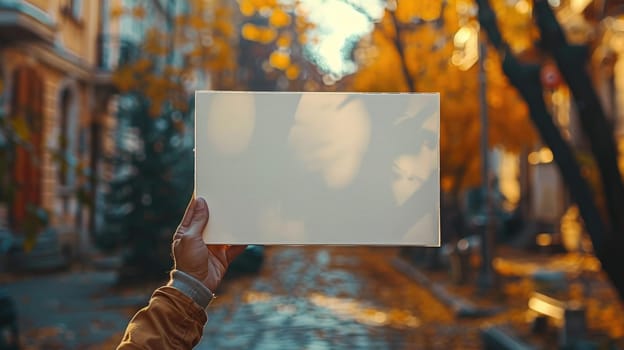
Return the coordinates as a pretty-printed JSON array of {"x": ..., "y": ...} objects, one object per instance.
[
  {"x": 572, "y": 63},
  {"x": 526, "y": 79}
]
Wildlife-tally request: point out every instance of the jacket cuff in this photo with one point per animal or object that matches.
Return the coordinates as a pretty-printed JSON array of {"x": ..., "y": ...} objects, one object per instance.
[{"x": 191, "y": 287}]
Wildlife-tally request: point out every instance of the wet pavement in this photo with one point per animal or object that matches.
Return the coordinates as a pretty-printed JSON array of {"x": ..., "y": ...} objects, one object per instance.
[
  {"x": 304, "y": 298},
  {"x": 71, "y": 310},
  {"x": 331, "y": 298}
]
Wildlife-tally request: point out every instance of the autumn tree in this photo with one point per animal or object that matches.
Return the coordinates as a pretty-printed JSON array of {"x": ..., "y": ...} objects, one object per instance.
[
  {"x": 278, "y": 34},
  {"x": 195, "y": 42},
  {"x": 432, "y": 47},
  {"x": 605, "y": 227},
  {"x": 186, "y": 46}
]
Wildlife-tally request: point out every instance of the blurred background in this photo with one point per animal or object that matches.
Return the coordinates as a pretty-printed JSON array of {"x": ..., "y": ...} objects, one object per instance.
[{"x": 96, "y": 168}]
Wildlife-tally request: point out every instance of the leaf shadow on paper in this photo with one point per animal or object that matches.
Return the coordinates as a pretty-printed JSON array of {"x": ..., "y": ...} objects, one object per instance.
[{"x": 345, "y": 152}]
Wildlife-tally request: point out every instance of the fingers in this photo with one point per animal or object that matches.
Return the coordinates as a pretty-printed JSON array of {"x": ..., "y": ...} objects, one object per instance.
[
  {"x": 188, "y": 213},
  {"x": 233, "y": 251},
  {"x": 199, "y": 217},
  {"x": 194, "y": 220},
  {"x": 178, "y": 235}
]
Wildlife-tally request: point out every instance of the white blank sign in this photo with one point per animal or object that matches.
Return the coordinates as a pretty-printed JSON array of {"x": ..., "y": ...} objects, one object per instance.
[{"x": 318, "y": 168}]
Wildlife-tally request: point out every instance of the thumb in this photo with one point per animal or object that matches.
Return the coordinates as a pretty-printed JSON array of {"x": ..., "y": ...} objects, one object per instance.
[{"x": 199, "y": 219}]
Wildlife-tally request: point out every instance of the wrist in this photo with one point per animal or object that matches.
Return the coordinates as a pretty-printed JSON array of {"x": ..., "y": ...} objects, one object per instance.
[
  {"x": 191, "y": 287},
  {"x": 211, "y": 284}
]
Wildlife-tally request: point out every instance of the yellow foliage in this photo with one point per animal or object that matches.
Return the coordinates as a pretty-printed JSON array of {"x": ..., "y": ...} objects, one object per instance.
[
  {"x": 225, "y": 27},
  {"x": 142, "y": 65},
  {"x": 117, "y": 11},
  {"x": 292, "y": 72},
  {"x": 264, "y": 4},
  {"x": 427, "y": 50},
  {"x": 279, "y": 18},
  {"x": 267, "y": 35},
  {"x": 222, "y": 12},
  {"x": 262, "y": 35},
  {"x": 288, "y": 28},
  {"x": 20, "y": 127},
  {"x": 250, "y": 32},
  {"x": 197, "y": 23},
  {"x": 382, "y": 75},
  {"x": 180, "y": 20},
  {"x": 284, "y": 40},
  {"x": 124, "y": 79},
  {"x": 138, "y": 12},
  {"x": 279, "y": 60},
  {"x": 428, "y": 10},
  {"x": 155, "y": 43},
  {"x": 516, "y": 26},
  {"x": 406, "y": 10},
  {"x": 247, "y": 8},
  {"x": 204, "y": 36}
]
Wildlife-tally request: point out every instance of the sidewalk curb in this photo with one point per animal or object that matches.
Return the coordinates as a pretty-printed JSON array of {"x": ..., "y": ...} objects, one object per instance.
[{"x": 461, "y": 307}]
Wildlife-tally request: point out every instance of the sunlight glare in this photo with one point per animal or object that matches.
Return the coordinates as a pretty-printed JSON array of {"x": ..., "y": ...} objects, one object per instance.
[{"x": 338, "y": 22}]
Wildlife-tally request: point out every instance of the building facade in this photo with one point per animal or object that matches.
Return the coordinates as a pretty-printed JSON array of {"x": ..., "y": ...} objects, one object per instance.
[{"x": 55, "y": 73}]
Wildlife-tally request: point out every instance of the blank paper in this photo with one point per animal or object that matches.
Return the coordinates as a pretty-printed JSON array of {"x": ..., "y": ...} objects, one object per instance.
[{"x": 318, "y": 168}]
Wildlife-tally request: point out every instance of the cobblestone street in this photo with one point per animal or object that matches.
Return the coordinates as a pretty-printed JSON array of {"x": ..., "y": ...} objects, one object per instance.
[
  {"x": 304, "y": 298},
  {"x": 329, "y": 298}
]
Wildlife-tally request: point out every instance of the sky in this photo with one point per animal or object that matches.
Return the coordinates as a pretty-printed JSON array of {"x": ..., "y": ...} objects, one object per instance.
[{"x": 338, "y": 21}]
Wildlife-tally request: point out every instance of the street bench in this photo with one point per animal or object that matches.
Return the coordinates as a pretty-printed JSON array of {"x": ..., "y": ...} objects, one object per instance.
[{"x": 568, "y": 317}]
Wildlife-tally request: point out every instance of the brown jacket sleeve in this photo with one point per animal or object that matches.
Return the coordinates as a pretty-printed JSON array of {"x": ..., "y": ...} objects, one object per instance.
[{"x": 172, "y": 320}]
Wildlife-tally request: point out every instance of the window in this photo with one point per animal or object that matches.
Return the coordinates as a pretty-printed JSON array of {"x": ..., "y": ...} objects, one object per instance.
[
  {"x": 73, "y": 9},
  {"x": 64, "y": 136}
]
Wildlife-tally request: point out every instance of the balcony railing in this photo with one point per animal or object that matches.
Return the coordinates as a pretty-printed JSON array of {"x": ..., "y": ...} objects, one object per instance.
[{"x": 21, "y": 20}]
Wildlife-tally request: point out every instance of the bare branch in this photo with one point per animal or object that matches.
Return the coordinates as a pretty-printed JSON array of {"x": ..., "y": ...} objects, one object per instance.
[{"x": 401, "y": 51}]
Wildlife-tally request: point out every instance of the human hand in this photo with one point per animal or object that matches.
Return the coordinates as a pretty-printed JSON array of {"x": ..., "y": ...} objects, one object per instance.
[{"x": 207, "y": 263}]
